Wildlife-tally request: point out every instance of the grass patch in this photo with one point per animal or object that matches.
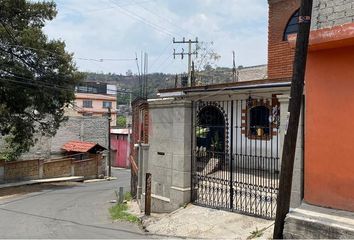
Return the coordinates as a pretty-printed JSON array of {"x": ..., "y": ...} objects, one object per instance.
[
  {"x": 128, "y": 196},
  {"x": 256, "y": 234},
  {"x": 119, "y": 212}
]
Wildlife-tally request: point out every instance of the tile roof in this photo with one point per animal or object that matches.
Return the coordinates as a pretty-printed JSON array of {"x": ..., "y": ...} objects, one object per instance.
[{"x": 78, "y": 146}]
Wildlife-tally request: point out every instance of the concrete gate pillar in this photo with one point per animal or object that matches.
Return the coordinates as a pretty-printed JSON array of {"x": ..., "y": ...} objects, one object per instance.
[
  {"x": 170, "y": 153},
  {"x": 297, "y": 182}
]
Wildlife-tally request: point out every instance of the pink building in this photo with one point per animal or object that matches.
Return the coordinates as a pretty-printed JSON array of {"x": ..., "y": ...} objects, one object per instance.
[{"x": 90, "y": 104}]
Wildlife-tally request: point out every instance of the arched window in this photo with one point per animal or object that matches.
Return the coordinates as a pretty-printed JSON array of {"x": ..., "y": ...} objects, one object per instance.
[
  {"x": 210, "y": 129},
  {"x": 259, "y": 125},
  {"x": 292, "y": 26}
]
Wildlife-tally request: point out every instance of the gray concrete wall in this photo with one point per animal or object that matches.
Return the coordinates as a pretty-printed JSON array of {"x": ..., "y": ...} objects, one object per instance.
[
  {"x": 169, "y": 154},
  {"x": 91, "y": 129},
  {"x": 329, "y": 13}
]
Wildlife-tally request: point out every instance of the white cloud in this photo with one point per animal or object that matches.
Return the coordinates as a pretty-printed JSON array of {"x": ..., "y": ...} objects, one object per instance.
[{"x": 101, "y": 29}]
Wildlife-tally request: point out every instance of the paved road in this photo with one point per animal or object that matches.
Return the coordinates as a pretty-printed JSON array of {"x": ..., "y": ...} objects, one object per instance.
[{"x": 79, "y": 211}]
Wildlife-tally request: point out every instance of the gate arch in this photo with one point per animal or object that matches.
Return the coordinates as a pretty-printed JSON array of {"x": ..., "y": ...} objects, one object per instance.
[{"x": 211, "y": 131}]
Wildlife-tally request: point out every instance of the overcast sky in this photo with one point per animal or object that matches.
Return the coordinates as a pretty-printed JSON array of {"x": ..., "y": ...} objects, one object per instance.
[{"x": 117, "y": 29}]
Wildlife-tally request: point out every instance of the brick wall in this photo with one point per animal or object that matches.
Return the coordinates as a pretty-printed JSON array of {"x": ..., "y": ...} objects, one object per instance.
[
  {"x": 329, "y": 13},
  {"x": 21, "y": 170},
  {"x": 36, "y": 169},
  {"x": 280, "y": 55},
  {"x": 87, "y": 168},
  {"x": 139, "y": 107},
  {"x": 57, "y": 168}
]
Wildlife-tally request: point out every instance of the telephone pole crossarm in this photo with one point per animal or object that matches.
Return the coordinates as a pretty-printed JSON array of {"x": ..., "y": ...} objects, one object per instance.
[{"x": 190, "y": 53}]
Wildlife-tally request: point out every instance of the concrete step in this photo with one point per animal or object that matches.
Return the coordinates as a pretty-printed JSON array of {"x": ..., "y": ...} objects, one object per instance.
[
  {"x": 312, "y": 222},
  {"x": 213, "y": 165}
]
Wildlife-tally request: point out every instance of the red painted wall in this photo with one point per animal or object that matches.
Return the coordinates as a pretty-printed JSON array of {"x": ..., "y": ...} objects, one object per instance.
[
  {"x": 120, "y": 145},
  {"x": 329, "y": 129}
]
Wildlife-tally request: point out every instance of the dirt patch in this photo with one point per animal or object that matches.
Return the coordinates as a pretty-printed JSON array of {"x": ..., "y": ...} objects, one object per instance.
[{"x": 22, "y": 190}]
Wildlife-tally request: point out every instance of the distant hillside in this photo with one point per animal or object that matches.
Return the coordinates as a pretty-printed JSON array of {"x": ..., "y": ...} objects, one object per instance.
[{"x": 160, "y": 80}]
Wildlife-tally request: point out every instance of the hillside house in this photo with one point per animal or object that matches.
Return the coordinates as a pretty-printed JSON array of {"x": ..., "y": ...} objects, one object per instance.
[{"x": 92, "y": 99}]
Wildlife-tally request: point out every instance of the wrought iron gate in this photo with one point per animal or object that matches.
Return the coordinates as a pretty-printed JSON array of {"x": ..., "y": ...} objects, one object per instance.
[{"x": 235, "y": 162}]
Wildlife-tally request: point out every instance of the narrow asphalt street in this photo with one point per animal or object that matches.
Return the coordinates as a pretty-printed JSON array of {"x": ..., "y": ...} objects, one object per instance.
[{"x": 72, "y": 211}]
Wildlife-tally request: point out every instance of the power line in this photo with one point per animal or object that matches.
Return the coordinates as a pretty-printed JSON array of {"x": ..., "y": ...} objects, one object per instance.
[
  {"x": 163, "y": 63},
  {"x": 165, "y": 19},
  {"x": 79, "y": 58},
  {"x": 162, "y": 53},
  {"x": 44, "y": 85},
  {"x": 106, "y": 59},
  {"x": 109, "y": 8},
  {"x": 143, "y": 20}
]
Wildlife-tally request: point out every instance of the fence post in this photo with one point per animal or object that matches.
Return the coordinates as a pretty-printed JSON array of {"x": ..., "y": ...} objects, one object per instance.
[
  {"x": 120, "y": 195},
  {"x": 97, "y": 158},
  {"x": 40, "y": 168},
  {"x": 2, "y": 170},
  {"x": 72, "y": 167},
  {"x": 148, "y": 194}
]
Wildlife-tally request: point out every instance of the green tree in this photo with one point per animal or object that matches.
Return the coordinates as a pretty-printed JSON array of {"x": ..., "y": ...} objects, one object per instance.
[
  {"x": 37, "y": 75},
  {"x": 121, "y": 121},
  {"x": 207, "y": 57}
]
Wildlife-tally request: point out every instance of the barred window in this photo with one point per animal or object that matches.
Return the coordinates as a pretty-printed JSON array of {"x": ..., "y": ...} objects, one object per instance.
[{"x": 259, "y": 125}]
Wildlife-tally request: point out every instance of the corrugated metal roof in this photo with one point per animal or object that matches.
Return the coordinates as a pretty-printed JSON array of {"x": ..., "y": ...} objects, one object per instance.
[{"x": 79, "y": 146}]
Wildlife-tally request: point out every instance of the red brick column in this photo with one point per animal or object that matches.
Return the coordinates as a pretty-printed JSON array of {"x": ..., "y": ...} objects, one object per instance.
[{"x": 280, "y": 54}]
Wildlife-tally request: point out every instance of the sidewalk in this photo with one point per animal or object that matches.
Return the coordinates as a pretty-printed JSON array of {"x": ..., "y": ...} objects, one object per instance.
[
  {"x": 199, "y": 222},
  {"x": 45, "y": 180}
]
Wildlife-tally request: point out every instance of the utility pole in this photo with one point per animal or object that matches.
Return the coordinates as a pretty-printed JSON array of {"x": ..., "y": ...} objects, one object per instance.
[
  {"x": 193, "y": 75},
  {"x": 234, "y": 74},
  {"x": 190, "y": 53},
  {"x": 145, "y": 74},
  {"x": 296, "y": 96},
  {"x": 109, "y": 143},
  {"x": 129, "y": 125}
]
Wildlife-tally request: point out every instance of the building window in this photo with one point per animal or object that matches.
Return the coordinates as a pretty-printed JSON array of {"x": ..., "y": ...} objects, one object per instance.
[
  {"x": 107, "y": 104},
  {"x": 292, "y": 26},
  {"x": 258, "y": 123},
  {"x": 87, "y": 104}
]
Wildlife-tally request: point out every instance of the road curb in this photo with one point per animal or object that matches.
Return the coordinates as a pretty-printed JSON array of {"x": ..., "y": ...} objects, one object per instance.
[{"x": 39, "y": 181}]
